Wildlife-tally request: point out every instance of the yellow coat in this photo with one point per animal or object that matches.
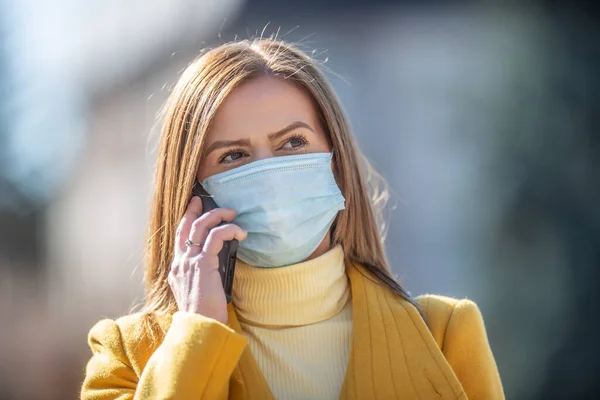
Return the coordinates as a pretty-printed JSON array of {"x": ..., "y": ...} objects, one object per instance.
[{"x": 394, "y": 354}]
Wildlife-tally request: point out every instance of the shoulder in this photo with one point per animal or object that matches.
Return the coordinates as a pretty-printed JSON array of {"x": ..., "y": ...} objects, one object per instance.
[
  {"x": 458, "y": 329},
  {"x": 445, "y": 315},
  {"x": 132, "y": 327},
  {"x": 449, "y": 320},
  {"x": 131, "y": 339}
]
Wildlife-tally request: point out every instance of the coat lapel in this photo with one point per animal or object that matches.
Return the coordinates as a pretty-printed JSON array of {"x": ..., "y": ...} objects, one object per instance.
[{"x": 393, "y": 355}]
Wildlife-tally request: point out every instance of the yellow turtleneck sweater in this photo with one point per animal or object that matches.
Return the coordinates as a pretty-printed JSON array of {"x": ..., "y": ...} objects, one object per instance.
[{"x": 298, "y": 321}]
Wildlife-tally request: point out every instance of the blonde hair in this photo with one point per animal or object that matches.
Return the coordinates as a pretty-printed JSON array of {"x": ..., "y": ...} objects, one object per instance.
[{"x": 187, "y": 117}]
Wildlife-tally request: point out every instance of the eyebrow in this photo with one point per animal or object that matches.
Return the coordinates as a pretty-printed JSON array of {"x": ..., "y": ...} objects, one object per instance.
[
  {"x": 289, "y": 128},
  {"x": 219, "y": 144}
]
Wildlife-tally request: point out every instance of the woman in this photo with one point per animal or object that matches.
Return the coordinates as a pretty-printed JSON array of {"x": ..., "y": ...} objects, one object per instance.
[{"x": 315, "y": 312}]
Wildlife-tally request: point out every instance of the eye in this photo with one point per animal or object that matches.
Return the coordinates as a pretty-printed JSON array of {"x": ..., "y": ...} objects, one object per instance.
[
  {"x": 232, "y": 156},
  {"x": 294, "y": 143}
]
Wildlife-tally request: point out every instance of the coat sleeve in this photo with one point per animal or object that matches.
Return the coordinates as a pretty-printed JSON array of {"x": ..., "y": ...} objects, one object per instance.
[
  {"x": 194, "y": 361},
  {"x": 466, "y": 348}
]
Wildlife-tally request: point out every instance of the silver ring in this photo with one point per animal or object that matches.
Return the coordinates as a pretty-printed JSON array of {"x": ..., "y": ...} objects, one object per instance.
[{"x": 190, "y": 243}]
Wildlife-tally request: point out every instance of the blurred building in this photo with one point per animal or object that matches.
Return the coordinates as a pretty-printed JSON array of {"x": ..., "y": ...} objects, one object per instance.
[{"x": 439, "y": 97}]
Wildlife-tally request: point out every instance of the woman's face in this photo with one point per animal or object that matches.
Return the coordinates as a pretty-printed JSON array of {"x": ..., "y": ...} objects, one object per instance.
[{"x": 264, "y": 117}]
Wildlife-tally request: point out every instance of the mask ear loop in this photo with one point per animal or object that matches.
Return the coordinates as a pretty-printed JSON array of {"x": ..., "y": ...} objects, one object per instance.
[
  {"x": 334, "y": 224},
  {"x": 332, "y": 163},
  {"x": 198, "y": 190}
]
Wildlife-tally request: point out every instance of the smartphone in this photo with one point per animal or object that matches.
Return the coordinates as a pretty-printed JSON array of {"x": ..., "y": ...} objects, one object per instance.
[{"x": 228, "y": 254}]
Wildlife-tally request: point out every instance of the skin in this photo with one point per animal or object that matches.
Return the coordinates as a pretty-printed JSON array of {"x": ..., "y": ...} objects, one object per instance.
[{"x": 265, "y": 117}]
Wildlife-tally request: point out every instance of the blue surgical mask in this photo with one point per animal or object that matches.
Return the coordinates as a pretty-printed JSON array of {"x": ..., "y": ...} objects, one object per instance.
[{"x": 286, "y": 204}]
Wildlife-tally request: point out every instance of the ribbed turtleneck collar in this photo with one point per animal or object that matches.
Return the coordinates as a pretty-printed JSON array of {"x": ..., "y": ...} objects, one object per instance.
[{"x": 300, "y": 294}]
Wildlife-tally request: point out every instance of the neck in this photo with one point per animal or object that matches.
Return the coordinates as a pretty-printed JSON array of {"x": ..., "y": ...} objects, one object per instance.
[{"x": 300, "y": 294}]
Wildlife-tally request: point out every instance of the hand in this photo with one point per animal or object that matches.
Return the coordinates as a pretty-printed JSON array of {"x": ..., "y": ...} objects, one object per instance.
[{"x": 194, "y": 277}]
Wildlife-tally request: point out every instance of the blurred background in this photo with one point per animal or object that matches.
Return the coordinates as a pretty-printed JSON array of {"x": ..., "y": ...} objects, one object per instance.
[{"x": 482, "y": 115}]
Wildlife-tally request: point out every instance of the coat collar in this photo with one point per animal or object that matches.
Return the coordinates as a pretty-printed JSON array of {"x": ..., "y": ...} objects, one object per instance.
[{"x": 393, "y": 354}]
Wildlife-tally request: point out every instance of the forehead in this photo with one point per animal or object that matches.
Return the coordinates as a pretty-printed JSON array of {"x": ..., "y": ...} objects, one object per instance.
[{"x": 261, "y": 106}]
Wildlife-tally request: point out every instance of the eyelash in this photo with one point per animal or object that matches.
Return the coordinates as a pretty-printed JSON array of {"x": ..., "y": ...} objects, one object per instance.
[
  {"x": 227, "y": 154},
  {"x": 299, "y": 137}
]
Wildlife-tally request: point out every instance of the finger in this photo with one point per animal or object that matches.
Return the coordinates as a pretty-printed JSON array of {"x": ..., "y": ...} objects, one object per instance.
[
  {"x": 174, "y": 267},
  {"x": 192, "y": 212},
  {"x": 202, "y": 226},
  {"x": 220, "y": 234}
]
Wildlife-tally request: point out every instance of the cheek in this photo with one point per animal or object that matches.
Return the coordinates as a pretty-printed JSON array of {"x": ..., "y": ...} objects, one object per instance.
[{"x": 203, "y": 170}]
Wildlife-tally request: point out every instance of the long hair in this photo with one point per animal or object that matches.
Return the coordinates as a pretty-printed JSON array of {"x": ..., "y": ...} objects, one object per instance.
[{"x": 187, "y": 117}]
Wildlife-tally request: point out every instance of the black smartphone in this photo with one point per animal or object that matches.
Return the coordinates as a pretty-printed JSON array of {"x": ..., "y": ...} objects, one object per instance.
[{"x": 228, "y": 254}]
